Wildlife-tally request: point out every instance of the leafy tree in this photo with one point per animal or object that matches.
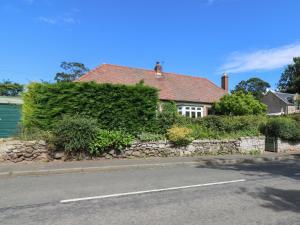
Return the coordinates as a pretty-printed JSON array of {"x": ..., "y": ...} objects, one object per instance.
[
  {"x": 290, "y": 79},
  {"x": 255, "y": 86},
  {"x": 72, "y": 71},
  {"x": 8, "y": 88},
  {"x": 238, "y": 104}
]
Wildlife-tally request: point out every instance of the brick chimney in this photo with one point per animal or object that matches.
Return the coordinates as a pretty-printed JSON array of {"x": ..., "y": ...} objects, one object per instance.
[
  {"x": 224, "y": 82},
  {"x": 158, "y": 69}
]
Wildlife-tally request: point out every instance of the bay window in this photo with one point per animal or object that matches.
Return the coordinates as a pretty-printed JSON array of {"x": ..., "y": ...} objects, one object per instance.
[{"x": 190, "y": 111}]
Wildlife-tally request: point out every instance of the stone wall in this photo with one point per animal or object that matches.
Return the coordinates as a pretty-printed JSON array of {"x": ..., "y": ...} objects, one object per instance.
[
  {"x": 18, "y": 151},
  {"x": 196, "y": 148},
  {"x": 285, "y": 146}
]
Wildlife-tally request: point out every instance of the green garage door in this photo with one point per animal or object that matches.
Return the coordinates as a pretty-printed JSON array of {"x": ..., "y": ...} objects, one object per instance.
[{"x": 9, "y": 118}]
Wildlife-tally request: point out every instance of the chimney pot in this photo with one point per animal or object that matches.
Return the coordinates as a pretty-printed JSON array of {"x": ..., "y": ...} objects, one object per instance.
[{"x": 158, "y": 69}]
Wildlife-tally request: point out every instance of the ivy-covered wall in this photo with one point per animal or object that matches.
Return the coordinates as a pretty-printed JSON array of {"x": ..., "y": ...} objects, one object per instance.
[{"x": 116, "y": 107}]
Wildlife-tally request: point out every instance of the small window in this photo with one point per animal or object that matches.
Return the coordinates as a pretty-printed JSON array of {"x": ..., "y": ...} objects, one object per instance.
[
  {"x": 187, "y": 114},
  {"x": 193, "y": 114},
  {"x": 198, "y": 114}
]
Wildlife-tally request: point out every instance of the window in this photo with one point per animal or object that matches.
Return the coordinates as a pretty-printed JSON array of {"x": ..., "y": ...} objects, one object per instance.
[{"x": 190, "y": 111}]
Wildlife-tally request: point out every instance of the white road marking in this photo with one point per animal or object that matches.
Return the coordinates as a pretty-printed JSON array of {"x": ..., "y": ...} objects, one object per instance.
[
  {"x": 150, "y": 191},
  {"x": 297, "y": 174}
]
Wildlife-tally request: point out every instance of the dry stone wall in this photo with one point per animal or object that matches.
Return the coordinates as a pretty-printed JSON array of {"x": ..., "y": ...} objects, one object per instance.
[
  {"x": 18, "y": 151},
  {"x": 196, "y": 148}
]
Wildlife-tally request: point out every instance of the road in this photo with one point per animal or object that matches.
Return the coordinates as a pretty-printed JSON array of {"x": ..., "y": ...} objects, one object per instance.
[{"x": 183, "y": 194}]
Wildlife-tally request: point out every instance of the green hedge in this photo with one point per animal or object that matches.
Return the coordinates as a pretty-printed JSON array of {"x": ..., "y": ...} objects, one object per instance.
[
  {"x": 116, "y": 107},
  {"x": 283, "y": 127},
  {"x": 216, "y": 127}
]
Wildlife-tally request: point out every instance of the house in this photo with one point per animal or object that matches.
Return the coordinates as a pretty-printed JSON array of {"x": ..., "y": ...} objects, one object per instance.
[
  {"x": 10, "y": 114},
  {"x": 193, "y": 96},
  {"x": 281, "y": 103}
]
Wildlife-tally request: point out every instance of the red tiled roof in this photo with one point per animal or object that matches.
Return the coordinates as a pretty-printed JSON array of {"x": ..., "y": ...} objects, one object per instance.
[{"x": 171, "y": 86}]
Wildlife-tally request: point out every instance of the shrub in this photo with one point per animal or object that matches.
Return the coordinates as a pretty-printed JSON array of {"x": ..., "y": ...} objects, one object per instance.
[
  {"x": 254, "y": 152},
  {"x": 238, "y": 104},
  {"x": 144, "y": 136},
  {"x": 167, "y": 117},
  {"x": 180, "y": 135},
  {"x": 218, "y": 127},
  {"x": 106, "y": 140},
  {"x": 131, "y": 108},
  {"x": 282, "y": 127},
  {"x": 75, "y": 134}
]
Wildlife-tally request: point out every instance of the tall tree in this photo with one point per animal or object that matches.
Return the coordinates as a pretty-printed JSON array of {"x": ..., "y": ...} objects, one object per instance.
[
  {"x": 8, "y": 88},
  {"x": 72, "y": 71},
  {"x": 255, "y": 86},
  {"x": 290, "y": 79}
]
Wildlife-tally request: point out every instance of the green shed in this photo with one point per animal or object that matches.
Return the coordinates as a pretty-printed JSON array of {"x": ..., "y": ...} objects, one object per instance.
[{"x": 10, "y": 115}]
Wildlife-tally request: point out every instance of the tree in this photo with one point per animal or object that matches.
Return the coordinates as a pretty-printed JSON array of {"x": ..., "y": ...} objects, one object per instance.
[
  {"x": 290, "y": 79},
  {"x": 8, "y": 88},
  {"x": 238, "y": 104},
  {"x": 255, "y": 86},
  {"x": 72, "y": 71}
]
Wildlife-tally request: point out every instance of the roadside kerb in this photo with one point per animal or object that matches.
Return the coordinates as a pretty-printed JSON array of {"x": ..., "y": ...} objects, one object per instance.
[{"x": 197, "y": 162}]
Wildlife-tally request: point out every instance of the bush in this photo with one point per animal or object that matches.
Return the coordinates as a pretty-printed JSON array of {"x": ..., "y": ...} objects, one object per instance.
[
  {"x": 218, "y": 127},
  {"x": 238, "y": 104},
  {"x": 144, "y": 136},
  {"x": 167, "y": 117},
  {"x": 75, "y": 134},
  {"x": 180, "y": 135},
  {"x": 106, "y": 140},
  {"x": 116, "y": 107},
  {"x": 255, "y": 152},
  {"x": 282, "y": 127}
]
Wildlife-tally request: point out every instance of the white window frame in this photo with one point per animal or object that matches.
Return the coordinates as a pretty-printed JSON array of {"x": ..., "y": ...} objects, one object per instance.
[{"x": 188, "y": 110}]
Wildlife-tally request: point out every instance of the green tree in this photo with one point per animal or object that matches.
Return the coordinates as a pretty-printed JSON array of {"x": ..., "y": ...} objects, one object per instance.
[
  {"x": 8, "y": 88},
  {"x": 290, "y": 79},
  {"x": 238, "y": 104},
  {"x": 255, "y": 86},
  {"x": 72, "y": 71}
]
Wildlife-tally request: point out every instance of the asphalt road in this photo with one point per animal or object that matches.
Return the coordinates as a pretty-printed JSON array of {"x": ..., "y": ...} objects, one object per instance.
[{"x": 270, "y": 194}]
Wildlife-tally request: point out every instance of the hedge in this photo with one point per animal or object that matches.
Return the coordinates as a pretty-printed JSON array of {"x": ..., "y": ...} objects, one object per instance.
[
  {"x": 116, "y": 107},
  {"x": 283, "y": 127},
  {"x": 217, "y": 127}
]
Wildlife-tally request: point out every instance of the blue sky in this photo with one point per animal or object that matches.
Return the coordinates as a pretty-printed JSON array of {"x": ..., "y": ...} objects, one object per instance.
[{"x": 246, "y": 38}]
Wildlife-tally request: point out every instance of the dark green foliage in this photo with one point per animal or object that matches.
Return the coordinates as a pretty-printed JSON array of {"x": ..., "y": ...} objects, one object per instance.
[
  {"x": 290, "y": 79},
  {"x": 167, "y": 117},
  {"x": 239, "y": 104},
  {"x": 116, "y": 107},
  {"x": 72, "y": 71},
  {"x": 75, "y": 133},
  {"x": 282, "y": 127},
  {"x": 106, "y": 140},
  {"x": 8, "y": 88},
  {"x": 255, "y": 86}
]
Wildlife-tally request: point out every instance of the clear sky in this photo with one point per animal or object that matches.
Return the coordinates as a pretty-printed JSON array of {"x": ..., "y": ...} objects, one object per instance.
[{"x": 245, "y": 38}]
